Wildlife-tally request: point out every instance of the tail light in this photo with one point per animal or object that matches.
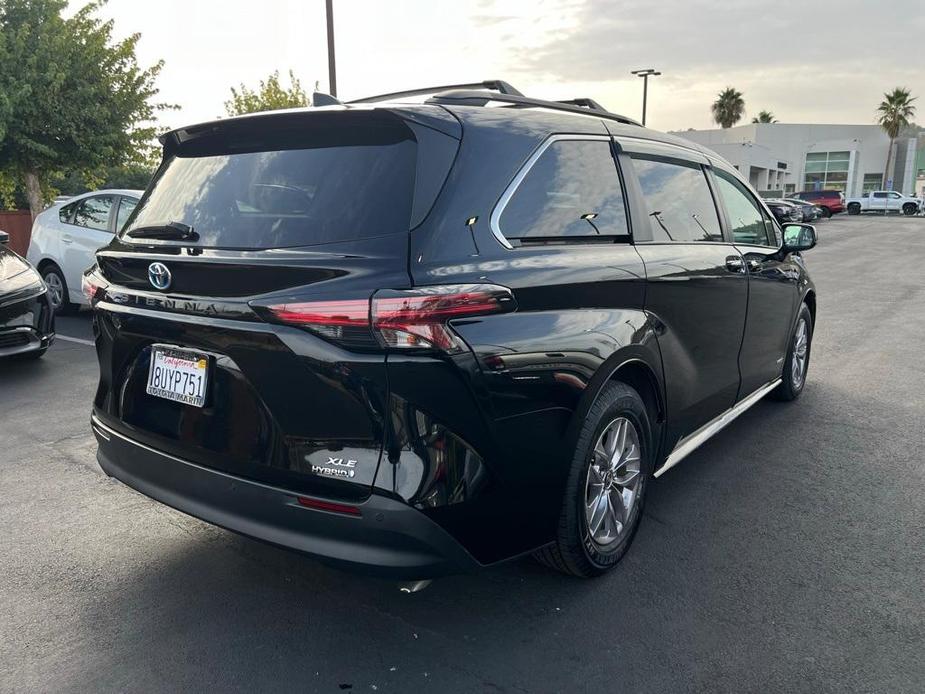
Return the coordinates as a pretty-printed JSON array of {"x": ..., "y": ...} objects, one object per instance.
[
  {"x": 92, "y": 284},
  {"x": 398, "y": 319}
]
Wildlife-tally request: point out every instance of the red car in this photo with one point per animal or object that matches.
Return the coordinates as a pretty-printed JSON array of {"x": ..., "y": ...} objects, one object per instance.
[{"x": 832, "y": 201}]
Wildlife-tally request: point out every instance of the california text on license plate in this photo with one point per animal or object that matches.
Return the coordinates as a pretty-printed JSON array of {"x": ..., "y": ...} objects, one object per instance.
[{"x": 178, "y": 375}]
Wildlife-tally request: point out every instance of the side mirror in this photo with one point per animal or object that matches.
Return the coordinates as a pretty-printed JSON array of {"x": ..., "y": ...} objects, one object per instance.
[
  {"x": 4, "y": 238},
  {"x": 799, "y": 237}
]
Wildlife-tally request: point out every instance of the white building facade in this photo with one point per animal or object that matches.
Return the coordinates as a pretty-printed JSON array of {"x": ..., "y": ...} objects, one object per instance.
[{"x": 780, "y": 158}]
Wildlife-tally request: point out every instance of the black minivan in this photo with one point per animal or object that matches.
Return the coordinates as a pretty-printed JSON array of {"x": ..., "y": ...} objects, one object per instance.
[{"x": 422, "y": 338}]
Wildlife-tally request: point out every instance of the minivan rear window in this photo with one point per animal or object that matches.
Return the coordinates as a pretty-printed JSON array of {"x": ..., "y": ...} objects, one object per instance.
[{"x": 279, "y": 189}]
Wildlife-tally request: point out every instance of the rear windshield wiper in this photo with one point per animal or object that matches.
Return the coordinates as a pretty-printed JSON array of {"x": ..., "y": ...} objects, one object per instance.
[{"x": 177, "y": 231}]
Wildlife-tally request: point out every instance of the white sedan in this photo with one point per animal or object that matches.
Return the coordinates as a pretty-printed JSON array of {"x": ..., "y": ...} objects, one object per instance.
[{"x": 67, "y": 234}]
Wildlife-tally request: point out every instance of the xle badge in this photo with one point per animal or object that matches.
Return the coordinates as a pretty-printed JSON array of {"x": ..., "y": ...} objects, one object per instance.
[{"x": 336, "y": 467}]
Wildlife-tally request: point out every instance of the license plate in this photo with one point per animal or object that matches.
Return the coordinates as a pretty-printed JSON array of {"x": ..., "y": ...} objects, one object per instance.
[{"x": 178, "y": 375}]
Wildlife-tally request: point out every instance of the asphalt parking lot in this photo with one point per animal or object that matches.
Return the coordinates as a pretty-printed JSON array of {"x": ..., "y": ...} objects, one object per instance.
[{"x": 787, "y": 554}]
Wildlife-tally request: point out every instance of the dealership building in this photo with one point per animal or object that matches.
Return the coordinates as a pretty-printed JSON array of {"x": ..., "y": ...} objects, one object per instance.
[{"x": 780, "y": 158}]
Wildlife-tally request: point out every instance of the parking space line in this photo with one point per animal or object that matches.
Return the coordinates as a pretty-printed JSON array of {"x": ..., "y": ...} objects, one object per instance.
[{"x": 78, "y": 340}]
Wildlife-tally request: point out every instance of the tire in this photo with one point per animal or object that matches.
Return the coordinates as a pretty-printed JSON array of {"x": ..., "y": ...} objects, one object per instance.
[
  {"x": 909, "y": 209},
  {"x": 57, "y": 290},
  {"x": 826, "y": 212},
  {"x": 854, "y": 208},
  {"x": 790, "y": 386},
  {"x": 578, "y": 550}
]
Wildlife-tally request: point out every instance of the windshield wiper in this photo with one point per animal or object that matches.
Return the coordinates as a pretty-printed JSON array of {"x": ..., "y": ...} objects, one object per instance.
[{"x": 174, "y": 231}]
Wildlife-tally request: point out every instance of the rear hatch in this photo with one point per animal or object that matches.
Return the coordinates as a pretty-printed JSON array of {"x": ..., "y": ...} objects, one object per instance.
[{"x": 200, "y": 356}]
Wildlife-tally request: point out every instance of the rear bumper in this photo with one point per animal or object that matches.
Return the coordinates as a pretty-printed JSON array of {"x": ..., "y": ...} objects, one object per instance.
[{"x": 388, "y": 538}]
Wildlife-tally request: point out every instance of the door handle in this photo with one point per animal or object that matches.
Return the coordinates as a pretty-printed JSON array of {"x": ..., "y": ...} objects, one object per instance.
[
  {"x": 67, "y": 239},
  {"x": 734, "y": 264}
]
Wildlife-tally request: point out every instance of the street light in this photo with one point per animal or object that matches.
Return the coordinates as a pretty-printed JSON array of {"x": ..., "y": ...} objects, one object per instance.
[
  {"x": 332, "y": 76},
  {"x": 645, "y": 74}
]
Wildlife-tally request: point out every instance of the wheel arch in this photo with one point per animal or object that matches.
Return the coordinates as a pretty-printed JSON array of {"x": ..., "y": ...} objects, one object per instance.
[
  {"x": 45, "y": 263},
  {"x": 640, "y": 370},
  {"x": 810, "y": 300}
]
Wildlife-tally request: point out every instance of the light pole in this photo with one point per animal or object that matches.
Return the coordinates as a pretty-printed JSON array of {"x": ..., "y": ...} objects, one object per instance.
[
  {"x": 645, "y": 74},
  {"x": 332, "y": 75}
]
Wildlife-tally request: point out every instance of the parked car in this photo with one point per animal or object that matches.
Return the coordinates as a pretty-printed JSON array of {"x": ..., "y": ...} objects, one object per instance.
[
  {"x": 785, "y": 212},
  {"x": 831, "y": 201},
  {"x": 66, "y": 235},
  {"x": 423, "y": 338},
  {"x": 885, "y": 201},
  {"x": 27, "y": 321},
  {"x": 810, "y": 211}
]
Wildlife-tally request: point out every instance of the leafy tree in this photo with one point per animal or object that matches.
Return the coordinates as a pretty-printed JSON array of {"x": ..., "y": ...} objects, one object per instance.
[
  {"x": 75, "y": 99},
  {"x": 123, "y": 176},
  {"x": 764, "y": 117},
  {"x": 896, "y": 111},
  {"x": 269, "y": 96},
  {"x": 728, "y": 108}
]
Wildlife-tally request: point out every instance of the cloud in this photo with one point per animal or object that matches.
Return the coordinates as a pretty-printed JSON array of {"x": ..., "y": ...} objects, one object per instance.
[
  {"x": 602, "y": 38},
  {"x": 816, "y": 62}
]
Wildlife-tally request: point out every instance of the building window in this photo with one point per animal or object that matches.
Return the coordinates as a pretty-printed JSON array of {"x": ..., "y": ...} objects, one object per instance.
[
  {"x": 826, "y": 171},
  {"x": 872, "y": 182}
]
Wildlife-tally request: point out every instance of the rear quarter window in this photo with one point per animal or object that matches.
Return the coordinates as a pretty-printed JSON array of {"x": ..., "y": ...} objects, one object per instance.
[{"x": 571, "y": 190}]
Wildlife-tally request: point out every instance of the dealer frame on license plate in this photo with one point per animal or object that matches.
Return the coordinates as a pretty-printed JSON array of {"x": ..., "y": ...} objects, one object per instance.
[{"x": 178, "y": 374}]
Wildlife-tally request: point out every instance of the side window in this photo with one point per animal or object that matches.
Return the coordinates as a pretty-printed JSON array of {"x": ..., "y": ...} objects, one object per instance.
[
  {"x": 895, "y": 195},
  {"x": 126, "y": 207},
  {"x": 748, "y": 221},
  {"x": 66, "y": 213},
  {"x": 94, "y": 212},
  {"x": 679, "y": 201},
  {"x": 879, "y": 195},
  {"x": 572, "y": 189}
]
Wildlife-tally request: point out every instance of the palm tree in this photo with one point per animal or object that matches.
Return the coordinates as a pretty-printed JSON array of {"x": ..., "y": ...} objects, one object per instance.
[
  {"x": 728, "y": 108},
  {"x": 764, "y": 117},
  {"x": 896, "y": 110}
]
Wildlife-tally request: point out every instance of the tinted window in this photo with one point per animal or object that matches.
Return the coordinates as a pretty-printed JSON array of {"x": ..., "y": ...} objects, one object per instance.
[
  {"x": 572, "y": 190},
  {"x": 126, "y": 207},
  {"x": 93, "y": 213},
  {"x": 314, "y": 186},
  {"x": 678, "y": 200},
  {"x": 749, "y": 223},
  {"x": 879, "y": 195}
]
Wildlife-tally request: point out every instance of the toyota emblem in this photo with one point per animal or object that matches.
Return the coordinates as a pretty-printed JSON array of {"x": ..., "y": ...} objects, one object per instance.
[{"x": 159, "y": 275}]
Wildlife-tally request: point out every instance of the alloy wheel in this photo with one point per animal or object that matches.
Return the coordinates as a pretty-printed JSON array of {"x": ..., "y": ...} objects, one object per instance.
[
  {"x": 612, "y": 486},
  {"x": 55, "y": 289},
  {"x": 800, "y": 353}
]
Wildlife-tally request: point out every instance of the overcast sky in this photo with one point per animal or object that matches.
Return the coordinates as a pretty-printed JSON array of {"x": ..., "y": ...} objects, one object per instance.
[{"x": 814, "y": 62}]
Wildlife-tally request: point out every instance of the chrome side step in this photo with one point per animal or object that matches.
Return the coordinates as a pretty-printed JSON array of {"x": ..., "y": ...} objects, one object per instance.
[{"x": 692, "y": 442}]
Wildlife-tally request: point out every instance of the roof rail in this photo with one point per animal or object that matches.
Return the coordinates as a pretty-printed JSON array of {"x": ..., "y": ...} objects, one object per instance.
[
  {"x": 499, "y": 86},
  {"x": 480, "y": 98},
  {"x": 584, "y": 102}
]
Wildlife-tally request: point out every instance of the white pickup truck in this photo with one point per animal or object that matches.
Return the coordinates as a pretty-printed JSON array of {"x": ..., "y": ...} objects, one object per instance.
[{"x": 884, "y": 201}]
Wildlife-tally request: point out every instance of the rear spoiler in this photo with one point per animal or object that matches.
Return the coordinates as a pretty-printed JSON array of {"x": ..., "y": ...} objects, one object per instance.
[{"x": 271, "y": 121}]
